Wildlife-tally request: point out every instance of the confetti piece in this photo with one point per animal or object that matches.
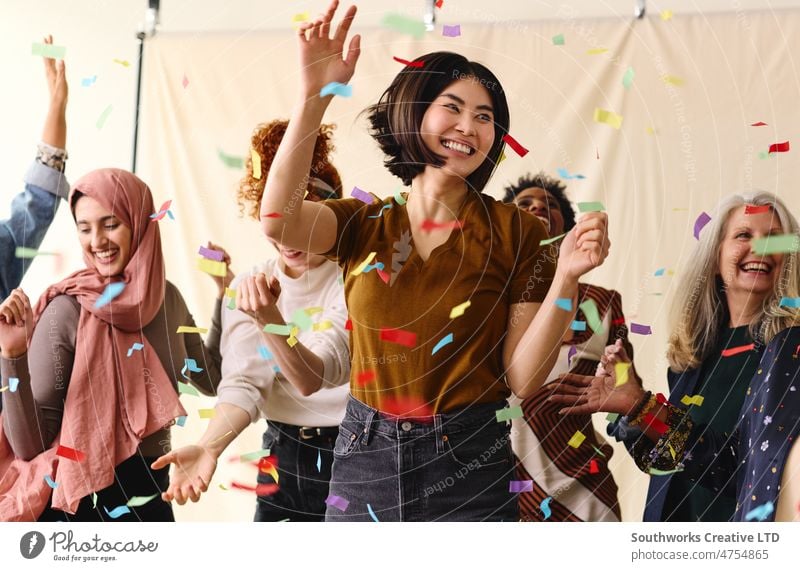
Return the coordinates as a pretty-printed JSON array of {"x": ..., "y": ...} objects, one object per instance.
[
  {"x": 502, "y": 157},
  {"x": 657, "y": 472},
  {"x": 117, "y": 512},
  {"x": 558, "y": 40},
  {"x": 598, "y": 451},
  {"x": 564, "y": 173},
  {"x": 88, "y": 81},
  {"x": 277, "y": 329},
  {"x": 762, "y": 155},
  {"x": 641, "y": 329},
  {"x": 363, "y": 265},
  {"x": 50, "y": 481},
  {"x": 336, "y": 88},
  {"x": 94, "y": 500},
  {"x": 103, "y": 117},
  {"x": 211, "y": 254},
  {"x": 255, "y": 159},
  {"x": 181, "y": 420},
  {"x": 399, "y": 198},
  {"x": 28, "y": 253},
  {"x": 753, "y": 209},
  {"x": 212, "y": 267},
  {"x": 609, "y": 118},
  {"x": 571, "y": 353},
  {"x": 596, "y": 51},
  {"x": 138, "y": 501},
  {"x": 612, "y": 417},
  {"x": 759, "y": 124},
  {"x": 191, "y": 329},
  {"x": 591, "y": 207},
  {"x": 253, "y": 456},
  {"x": 618, "y": 321},
  {"x": 790, "y": 302},
  {"x": 319, "y": 461},
  {"x": 365, "y": 377},
  {"x": 322, "y": 325},
  {"x": 508, "y": 413},
  {"x": 372, "y": 513},
  {"x": 404, "y": 25},
  {"x": 385, "y": 277},
  {"x": 185, "y": 81},
  {"x": 380, "y": 213},
  {"x": 301, "y": 17},
  {"x": 446, "y": 340},
  {"x": 301, "y": 319},
  {"x": 577, "y": 439},
  {"x": 659, "y": 272},
  {"x": 206, "y": 412},
  {"x": 695, "y": 400},
  {"x": 416, "y": 64},
  {"x": 292, "y": 340},
  {"x": 651, "y": 421},
  {"x": 185, "y": 389},
  {"x": 273, "y": 215},
  {"x": 593, "y": 468},
  {"x": 122, "y": 62},
  {"x": 736, "y": 350},
  {"x": 545, "y": 507},
  {"x": 621, "y": 373},
  {"x": 364, "y": 197},
  {"x": 135, "y": 347},
  {"x": 700, "y": 223},
  {"x": 267, "y": 490},
  {"x": 429, "y": 225},
  {"x": 348, "y": 325},
  {"x": 519, "y": 486},
  {"x": 760, "y": 513},
  {"x": 230, "y": 161},
  {"x": 70, "y": 453},
  {"x": 191, "y": 365},
  {"x": 161, "y": 211},
  {"x": 112, "y": 290},
  {"x": 451, "y": 31},
  {"x": 627, "y": 79},
  {"x": 337, "y": 502},
  {"x": 13, "y": 383},
  {"x": 564, "y": 303},
  {"x": 672, "y": 80},
  {"x": 666, "y": 15},
  {"x": 512, "y": 142},
  {"x": 551, "y": 240},
  {"x": 776, "y": 244},
  {"x": 48, "y": 50},
  {"x": 459, "y": 309},
  {"x": 439, "y": 3},
  {"x": 779, "y": 147},
  {"x": 399, "y": 336},
  {"x": 578, "y": 325},
  {"x": 589, "y": 309}
]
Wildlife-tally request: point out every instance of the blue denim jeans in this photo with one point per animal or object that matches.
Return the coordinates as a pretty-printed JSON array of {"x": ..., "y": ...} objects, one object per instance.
[
  {"x": 302, "y": 487},
  {"x": 455, "y": 466}
]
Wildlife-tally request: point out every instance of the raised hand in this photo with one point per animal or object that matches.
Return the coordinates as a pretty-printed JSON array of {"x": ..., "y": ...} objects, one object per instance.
[
  {"x": 194, "y": 468},
  {"x": 16, "y": 324},
  {"x": 258, "y": 296},
  {"x": 586, "y": 395},
  {"x": 586, "y": 246},
  {"x": 321, "y": 57},
  {"x": 222, "y": 282},
  {"x": 55, "y": 72}
]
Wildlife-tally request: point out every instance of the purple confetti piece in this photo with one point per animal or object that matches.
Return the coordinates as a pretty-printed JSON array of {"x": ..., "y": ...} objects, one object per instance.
[
  {"x": 364, "y": 197},
  {"x": 519, "y": 486},
  {"x": 451, "y": 31},
  {"x": 701, "y": 221},
  {"x": 337, "y": 502},
  {"x": 641, "y": 329},
  {"x": 210, "y": 254},
  {"x": 572, "y": 352}
]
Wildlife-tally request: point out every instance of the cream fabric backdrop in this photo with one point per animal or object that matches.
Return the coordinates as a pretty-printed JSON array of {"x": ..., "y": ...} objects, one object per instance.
[{"x": 680, "y": 149}]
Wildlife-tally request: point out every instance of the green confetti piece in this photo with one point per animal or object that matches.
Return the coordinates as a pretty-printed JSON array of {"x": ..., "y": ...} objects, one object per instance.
[
  {"x": 505, "y": 414},
  {"x": 185, "y": 389},
  {"x": 230, "y": 161},
  {"x": 627, "y": 79},
  {"x": 655, "y": 472},
  {"x": 137, "y": 501},
  {"x": 253, "y": 456},
  {"x": 600, "y": 452},
  {"x": 48, "y": 50},
  {"x": 763, "y": 155},
  {"x": 558, "y": 40},
  {"x": 104, "y": 116},
  {"x": 277, "y": 329},
  {"x": 21, "y": 252},
  {"x": 551, "y": 240},
  {"x": 591, "y": 207},
  {"x": 301, "y": 319},
  {"x": 404, "y": 25},
  {"x": 94, "y": 500},
  {"x": 775, "y": 244},
  {"x": 612, "y": 417},
  {"x": 589, "y": 309}
]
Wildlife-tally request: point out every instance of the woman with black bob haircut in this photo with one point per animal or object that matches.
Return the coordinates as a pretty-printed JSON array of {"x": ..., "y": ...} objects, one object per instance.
[{"x": 450, "y": 294}]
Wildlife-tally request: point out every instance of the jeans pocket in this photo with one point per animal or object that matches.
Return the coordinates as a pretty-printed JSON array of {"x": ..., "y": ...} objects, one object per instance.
[
  {"x": 479, "y": 449},
  {"x": 346, "y": 443}
]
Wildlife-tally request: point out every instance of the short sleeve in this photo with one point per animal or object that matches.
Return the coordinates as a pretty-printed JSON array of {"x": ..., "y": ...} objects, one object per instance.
[
  {"x": 535, "y": 265},
  {"x": 350, "y": 214}
]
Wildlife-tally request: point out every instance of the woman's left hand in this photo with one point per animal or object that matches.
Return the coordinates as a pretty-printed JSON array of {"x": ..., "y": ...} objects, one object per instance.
[
  {"x": 16, "y": 324},
  {"x": 586, "y": 246}
]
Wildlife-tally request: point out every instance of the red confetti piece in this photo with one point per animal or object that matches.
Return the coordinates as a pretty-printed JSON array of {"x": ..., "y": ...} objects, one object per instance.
[
  {"x": 348, "y": 325},
  {"x": 439, "y": 3},
  {"x": 408, "y": 63},
  {"x": 70, "y": 453},
  {"x": 736, "y": 350},
  {"x": 661, "y": 399},
  {"x": 753, "y": 209},
  {"x": 185, "y": 81},
  {"x": 429, "y": 225},
  {"x": 365, "y": 377},
  {"x": 779, "y": 147},
  {"x": 399, "y": 336},
  {"x": 519, "y": 149},
  {"x": 267, "y": 463},
  {"x": 266, "y": 489},
  {"x": 655, "y": 424},
  {"x": 593, "y": 469},
  {"x": 162, "y": 211},
  {"x": 759, "y": 124},
  {"x": 273, "y": 215},
  {"x": 408, "y": 407},
  {"x": 383, "y": 275},
  {"x": 245, "y": 487},
  {"x": 618, "y": 321}
]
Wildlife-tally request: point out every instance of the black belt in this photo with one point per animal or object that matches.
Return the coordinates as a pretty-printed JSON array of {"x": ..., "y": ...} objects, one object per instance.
[{"x": 304, "y": 432}]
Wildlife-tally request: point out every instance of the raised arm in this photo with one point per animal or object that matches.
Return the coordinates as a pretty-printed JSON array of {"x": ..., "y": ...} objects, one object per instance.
[{"x": 285, "y": 216}]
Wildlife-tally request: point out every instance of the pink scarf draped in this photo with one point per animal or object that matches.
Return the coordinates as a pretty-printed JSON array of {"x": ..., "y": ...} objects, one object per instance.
[{"x": 111, "y": 404}]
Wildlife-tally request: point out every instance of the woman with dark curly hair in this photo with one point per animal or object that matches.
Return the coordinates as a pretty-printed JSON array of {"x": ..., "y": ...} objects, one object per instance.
[{"x": 300, "y": 387}]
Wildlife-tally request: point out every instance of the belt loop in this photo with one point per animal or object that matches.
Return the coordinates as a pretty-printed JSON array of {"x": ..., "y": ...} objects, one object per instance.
[
  {"x": 438, "y": 431},
  {"x": 368, "y": 426}
]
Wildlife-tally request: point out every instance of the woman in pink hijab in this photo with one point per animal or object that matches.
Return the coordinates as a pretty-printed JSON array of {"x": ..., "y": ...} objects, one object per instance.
[{"x": 89, "y": 376}]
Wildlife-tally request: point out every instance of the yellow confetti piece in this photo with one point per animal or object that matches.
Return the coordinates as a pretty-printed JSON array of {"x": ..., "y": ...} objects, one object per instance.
[
  {"x": 222, "y": 487},
  {"x": 364, "y": 264},
  {"x": 666, "y": 15},
  {"x": 206, "y": 412},
  {"x": 577, "y": 439},
  {"x": 122, "y": 62},
  {"x": 291, "y": 341},
  {"x": 312, "y": 310},
  {"x": 608, "y": 117},
  {"x": 272, "y": 471},
  {"x": 212, "y": 267},
  {"x": 230, "y": 292},
  {"x": 502, "y": 157},
  {"x": 596, "y": 51},
  {"x": 670, "y": 272},
  {"x": 695, "y": 400},
  {"x": 256, "y": 159},
  {"x": 671, "y": 450},
  {"x": 188, "y": 329},
  {"x": 3, "y": 389},
  {"x": 459, "y": 310},
  {"x": 322, "y": 325},
  {"x": 650, "y": 131},
  {"x": 673, "y": 80},
  {"x": 621, "y": 372},
  {"x": 301, "y": 17}
]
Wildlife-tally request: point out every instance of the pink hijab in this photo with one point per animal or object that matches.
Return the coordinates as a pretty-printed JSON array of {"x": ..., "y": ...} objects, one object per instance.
[{"x": 110, "y": 407}]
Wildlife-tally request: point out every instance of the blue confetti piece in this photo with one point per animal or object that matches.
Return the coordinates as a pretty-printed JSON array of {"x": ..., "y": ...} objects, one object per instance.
[
  {"x": 564, "y": 173},
  {"x": 319, "y": 461},
  {"x": 564, "y": 303},
  {"x": 446, "y": 340},
  {"x": 578, "y": 326},
  {"x": 50, "y": 481},
  {"x": 336, "y": 88},
  {"x": 180, "y": 421},
  {"x": 379, "y": 214},
  {"x": 117, "y": 511},
  {"x": 264, "y": 352},
  {"x": 761, "y": 512},
  {"x": 790, "y": 302},
  {"x": 372, "y": 513},
  {"x": 659, "y": 272},
  {"x": 88, "y": 81},
  {"x": 112, "y": 290},
  {"x": 545, "y": 507},
  {"x": 135, "y": 347},
  {"x": 376, "y": 266},
  {"x": 276, "y": 369},
  {"x": 171, "y": 216},
  {"x": 13, "y": 383},
  {"x": 191, "y": 365}
]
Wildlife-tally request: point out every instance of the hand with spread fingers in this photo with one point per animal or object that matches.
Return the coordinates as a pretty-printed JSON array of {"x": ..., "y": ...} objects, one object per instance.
[
  {"x": 194, "y": 468},
  {"x": 16, "y": 324}
]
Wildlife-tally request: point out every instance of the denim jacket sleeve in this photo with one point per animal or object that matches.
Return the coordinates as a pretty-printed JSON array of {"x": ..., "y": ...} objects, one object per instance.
[{"x": 32, "y": 211}]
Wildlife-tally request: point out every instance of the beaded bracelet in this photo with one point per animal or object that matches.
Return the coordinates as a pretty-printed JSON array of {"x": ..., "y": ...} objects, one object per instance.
[
  {"x": 639, "y": 405},
  {"x": 648, "y": 406}
]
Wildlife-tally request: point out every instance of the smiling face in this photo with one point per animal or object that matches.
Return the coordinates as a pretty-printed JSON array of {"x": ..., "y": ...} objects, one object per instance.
[
  {"x": 105, "y": 240},
  {"x": 459, "y": 126},
  {"x": 742, "y": 271},
  {"x": 544, "y": 206}
]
